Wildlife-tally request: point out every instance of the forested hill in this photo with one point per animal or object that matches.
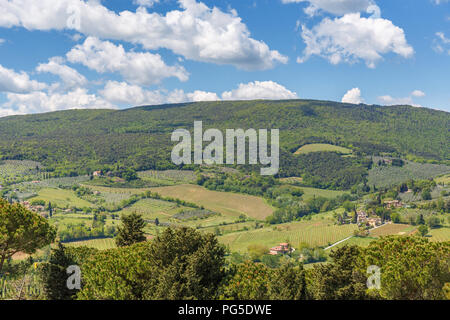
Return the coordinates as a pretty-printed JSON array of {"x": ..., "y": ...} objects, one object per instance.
[{"x": 84, "y": 140}]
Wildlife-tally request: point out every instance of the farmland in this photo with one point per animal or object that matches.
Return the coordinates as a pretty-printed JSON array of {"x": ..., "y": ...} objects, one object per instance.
[
  {"x": 17, "y": 170},
  {"x": 61, "y": 198},
  {"x": 226, "y": 203},
  {"x": 314, "y": 192},
  {"x": 382, "y": 176},
  {"x": 318, "y": 147},
  {"x": 100, "y": 244},
  {"x": 314, "y": 233}
]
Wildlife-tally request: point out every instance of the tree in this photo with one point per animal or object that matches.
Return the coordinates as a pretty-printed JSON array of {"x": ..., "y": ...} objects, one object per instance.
[
  {"x": 248, "y": 281},
  {"x": 179, "y": 264},
  {"x": 50, "y": 209},
  {"x": 338, "y": 279},
  {"x": 22, "y": 231},
  {"x": 423, "y": 230},
  {"x": 131, "y": 231},
  {"x": 412, "y": 268},
  {"x": 288, "y": 283},
  {"x": 426, "y": 194},
  {"x": 53, "y": 274},
  {"x": 420, "y": 220}
]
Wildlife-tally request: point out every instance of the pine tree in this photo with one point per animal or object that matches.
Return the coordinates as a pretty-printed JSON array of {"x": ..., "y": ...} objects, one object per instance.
[{"x": 131, "y": 231}]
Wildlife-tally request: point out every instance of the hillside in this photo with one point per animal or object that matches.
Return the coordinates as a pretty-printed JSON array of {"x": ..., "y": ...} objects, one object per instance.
[{"x": 84, "y": 140}]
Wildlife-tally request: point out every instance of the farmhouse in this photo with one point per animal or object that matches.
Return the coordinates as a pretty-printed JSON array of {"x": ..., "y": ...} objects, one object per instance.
[
  {"x": 393, "y": 204},
  {"x": 374, "y": 222},
  {"x": 361, "y": 216},
  {"x": 283, "y": 248},
  {"x": 97, "y": 173}
]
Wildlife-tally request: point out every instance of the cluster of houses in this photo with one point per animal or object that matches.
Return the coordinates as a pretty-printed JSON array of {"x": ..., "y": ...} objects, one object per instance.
[
  {"x": 363, "y": 218},
  {"x": 392, "y": 204},
  {"x": 40, "y": 209}
]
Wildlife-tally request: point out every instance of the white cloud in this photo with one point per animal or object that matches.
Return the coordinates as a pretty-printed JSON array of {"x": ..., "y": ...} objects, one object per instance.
[
  {"x": 124, "y": 93},
  {"x": 259, "y": 90},
  {"x": 196, "y": 32},
  {"x": 353, "y": 96},
  {"x": 145, "y": 3},
  {"x": 39, "y": 101},
  {"x": 441, "y": 43},
  {"x": 141, "y": 68},
  {"x": 336, "y": 7},
  {"x": 418, "y": 93},
  {"x": 352, "y": 38},
  {"x": 11, "y": 81},
  {"x": 70, "y": 77},
  {"x": 198, "y": 95},
  {"x": 390, "y": 101}
]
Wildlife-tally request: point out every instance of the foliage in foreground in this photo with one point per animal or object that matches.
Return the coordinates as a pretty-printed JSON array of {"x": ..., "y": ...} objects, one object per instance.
[{"x": 21, "y": 231}]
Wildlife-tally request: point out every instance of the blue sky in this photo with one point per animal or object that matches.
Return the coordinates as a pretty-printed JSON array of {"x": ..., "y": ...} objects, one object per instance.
[{"x": 61, "y": 54}]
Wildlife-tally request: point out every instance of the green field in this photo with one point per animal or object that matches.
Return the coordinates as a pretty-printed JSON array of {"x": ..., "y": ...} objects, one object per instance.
[
  {"x": 314, "y": 233},
  {"x": 101, "y": 244},
  {"x": 168, "y": 177},
  {"x": 440, "y": 234},
  {"x": 317, "y": 147},
  {"x": 150, "y": 209},
  {"x": 61, "y": 198},
  {"x": 314, "y": 192},
  {"x": 445, "y": 179},
  {"x": 226, "y": 203}
]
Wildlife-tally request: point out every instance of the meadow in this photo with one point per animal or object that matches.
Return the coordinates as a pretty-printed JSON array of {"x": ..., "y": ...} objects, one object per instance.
[
  {"x": 168, "y": 177},
  {"x": 315, "y": 233},
  {"x": 100, "y": 244},
  {"x": 61, "y": 198},
  {"x": 226, "y": 203},
  {"x": 318, "y": 147}
]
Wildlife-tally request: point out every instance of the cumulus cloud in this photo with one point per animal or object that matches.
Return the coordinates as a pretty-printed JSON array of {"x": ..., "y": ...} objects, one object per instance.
[
  {"x": 353, "y": 96},
  {"x": 196, "y": 32},
  {"x": 390, "y": 101},
  {"x": 11, "y": 81},
  {"x": 259, "y": 90},
  {"x": 70, "y": 77},
  {"x": 418, "y": 93},
  {"x": 336, "y": 7},
  {"x": 124, "y": 93},
  {"x": 141, "y": 68},
  {"x": 199, "y": 95},
  {"x": 352, "y": 38},
  {"x": 40, "y": 101}
]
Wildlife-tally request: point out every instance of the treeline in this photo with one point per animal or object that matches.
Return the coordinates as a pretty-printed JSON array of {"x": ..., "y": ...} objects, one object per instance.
[
  {"x": 410, "y": 268},
  {"x": 326, "y": 170},
  {"x": 82, "y": 231},
  {"x": 290, "y": 209},
  {"x": 82, "y": 141}
]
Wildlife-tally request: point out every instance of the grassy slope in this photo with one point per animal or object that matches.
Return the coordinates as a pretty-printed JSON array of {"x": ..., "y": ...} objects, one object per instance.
[
  {"x": 317, "y": 147},
  {"x": 227, "y": 203},
  {"x": 61, "y": 198}
]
